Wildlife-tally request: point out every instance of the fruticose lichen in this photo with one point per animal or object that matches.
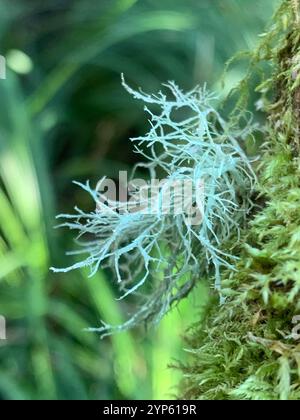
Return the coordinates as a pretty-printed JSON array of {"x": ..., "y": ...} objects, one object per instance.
[
  {"x": 161, "y": 251},
  {"x": 246, "y": 349}
]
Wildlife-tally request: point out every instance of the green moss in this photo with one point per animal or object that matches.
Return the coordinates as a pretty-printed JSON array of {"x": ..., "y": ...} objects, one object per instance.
[{"x": 245, "y": 350}]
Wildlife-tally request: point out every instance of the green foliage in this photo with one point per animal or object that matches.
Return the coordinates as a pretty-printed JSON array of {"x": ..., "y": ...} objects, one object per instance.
[
  {"x": 245, "y": 349},
  {"x": 68, "y": 118},
  {"x": 48, "y": 355}
]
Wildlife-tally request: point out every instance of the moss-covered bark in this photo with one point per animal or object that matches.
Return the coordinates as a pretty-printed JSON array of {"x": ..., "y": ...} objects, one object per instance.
[{"x": 245, "y": 349}]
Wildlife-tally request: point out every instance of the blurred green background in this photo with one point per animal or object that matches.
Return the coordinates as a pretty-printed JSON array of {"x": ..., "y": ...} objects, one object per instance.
[{"x": 65, "y": 116}]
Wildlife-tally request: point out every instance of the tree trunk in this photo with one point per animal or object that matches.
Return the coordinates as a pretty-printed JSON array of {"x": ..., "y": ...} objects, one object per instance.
[{"x": 250, "y": 347}]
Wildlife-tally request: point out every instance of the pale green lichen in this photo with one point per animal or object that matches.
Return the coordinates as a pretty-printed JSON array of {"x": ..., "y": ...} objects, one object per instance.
[{"x": 198, "y": 146}]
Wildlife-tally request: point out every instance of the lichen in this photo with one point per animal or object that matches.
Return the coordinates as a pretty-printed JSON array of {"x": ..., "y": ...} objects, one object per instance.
[
  {"x": 161, "y": 251},
  {"x": 245, "y": 349}
]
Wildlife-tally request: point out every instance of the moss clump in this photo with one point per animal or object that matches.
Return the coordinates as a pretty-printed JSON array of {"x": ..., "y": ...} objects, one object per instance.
[{"x": 245, "y": 349}]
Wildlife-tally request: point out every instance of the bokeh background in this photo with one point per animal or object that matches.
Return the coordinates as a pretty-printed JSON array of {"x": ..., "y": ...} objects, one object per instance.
[{"x": 65, "y": 116}]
